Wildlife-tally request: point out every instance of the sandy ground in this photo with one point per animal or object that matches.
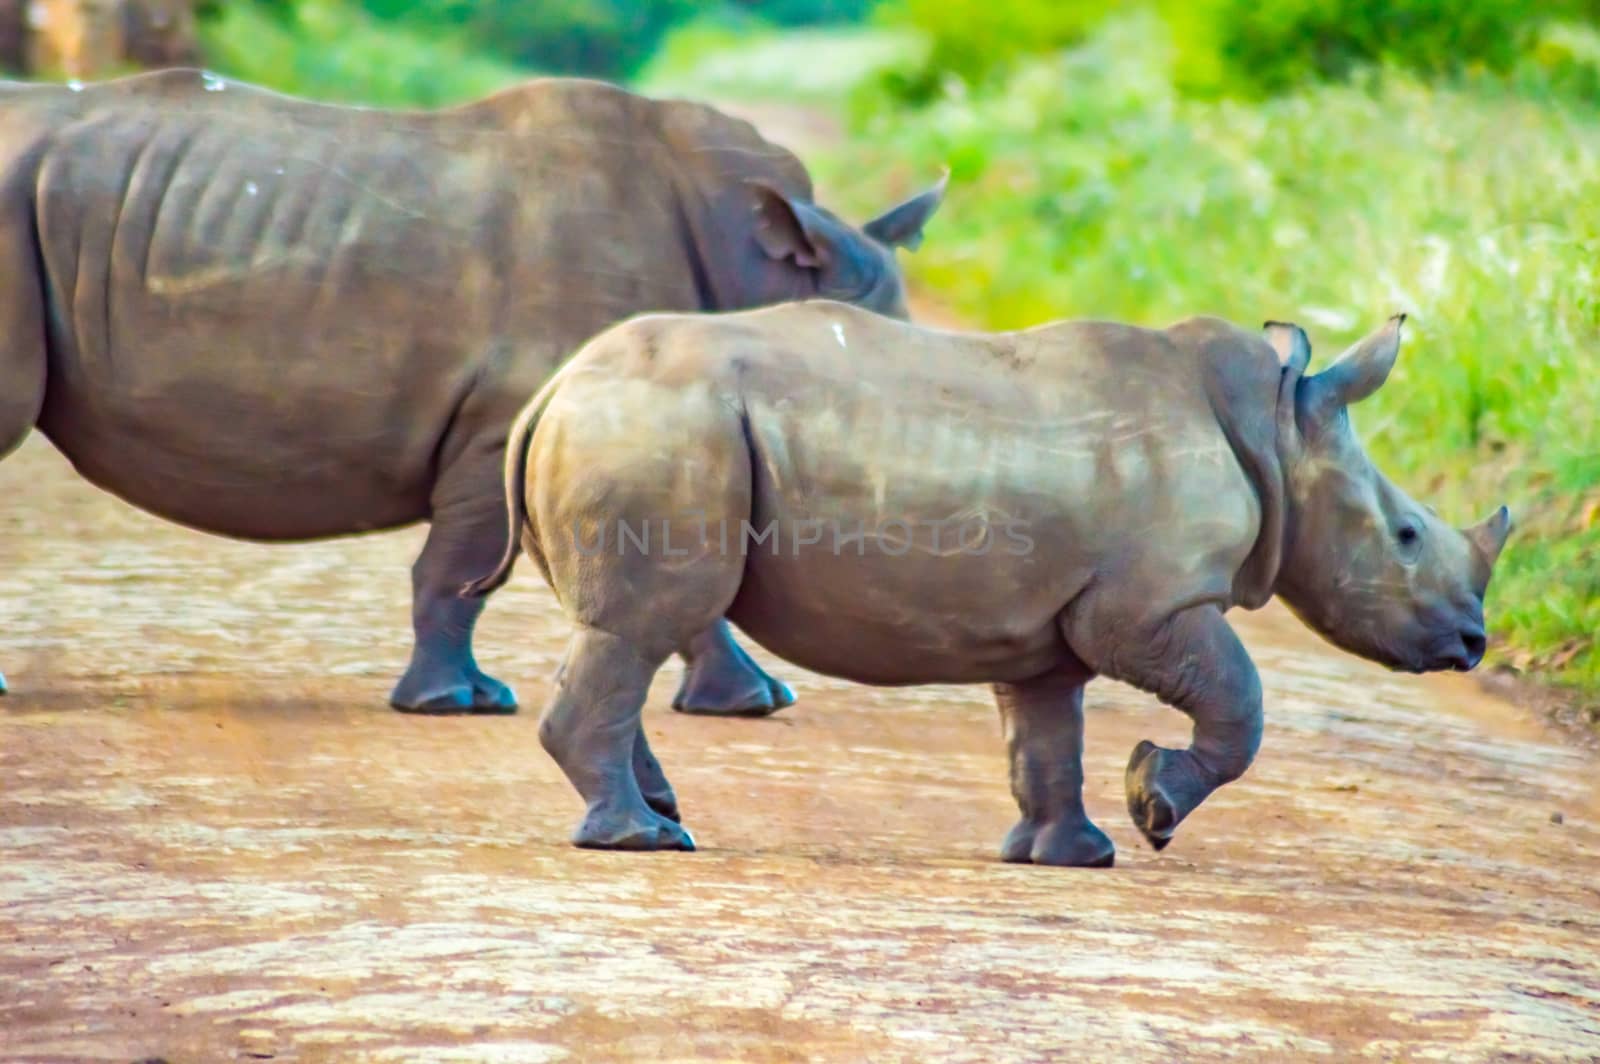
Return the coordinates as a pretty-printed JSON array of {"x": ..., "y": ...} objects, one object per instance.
[{"x": 216, "y": 843}]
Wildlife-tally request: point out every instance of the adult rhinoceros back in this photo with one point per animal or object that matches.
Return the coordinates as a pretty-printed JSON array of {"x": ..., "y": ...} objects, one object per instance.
[{"x": 275, "y": 319}]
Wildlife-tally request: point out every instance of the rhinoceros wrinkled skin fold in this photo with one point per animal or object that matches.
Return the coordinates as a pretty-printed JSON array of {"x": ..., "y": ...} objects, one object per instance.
[
  {"x": 1127, "y": 487},
  {"x": 280, "y": 320}
]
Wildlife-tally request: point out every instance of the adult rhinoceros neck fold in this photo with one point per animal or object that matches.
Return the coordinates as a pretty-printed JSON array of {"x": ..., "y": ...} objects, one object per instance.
[
  {"x": 714, "y": 158},
  {"x": 1247, "y": 388}
]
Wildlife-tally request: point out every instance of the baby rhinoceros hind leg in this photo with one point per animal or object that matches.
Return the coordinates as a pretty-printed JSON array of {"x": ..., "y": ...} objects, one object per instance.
[
  {"x": 593, "y": 730},
  {"x": 658, "y": 793}
]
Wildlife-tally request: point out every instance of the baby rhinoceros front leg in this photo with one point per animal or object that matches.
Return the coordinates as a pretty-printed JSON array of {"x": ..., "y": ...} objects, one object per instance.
[
  {"x": 1043, "y": 722},
  {"x": 1195, "y": 663}
]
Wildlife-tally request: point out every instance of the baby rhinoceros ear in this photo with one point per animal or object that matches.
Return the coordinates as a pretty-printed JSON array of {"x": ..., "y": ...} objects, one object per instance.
[
  {"x": 1294, "y": 355},
  {"x": 1291, "y": 344},
  {"x": 1358, "y": 372}
]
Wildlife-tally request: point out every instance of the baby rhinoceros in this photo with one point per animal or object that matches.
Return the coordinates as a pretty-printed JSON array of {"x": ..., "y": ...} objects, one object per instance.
[{"x": 896, "y": 505}]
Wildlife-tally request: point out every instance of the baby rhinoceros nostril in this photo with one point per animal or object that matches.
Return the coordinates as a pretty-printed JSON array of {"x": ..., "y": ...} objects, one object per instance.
[{"x": 1473, "y": 640}]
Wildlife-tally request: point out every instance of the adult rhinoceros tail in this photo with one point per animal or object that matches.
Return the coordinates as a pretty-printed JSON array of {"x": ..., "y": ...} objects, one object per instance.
[{"x": 516, "y": 467}]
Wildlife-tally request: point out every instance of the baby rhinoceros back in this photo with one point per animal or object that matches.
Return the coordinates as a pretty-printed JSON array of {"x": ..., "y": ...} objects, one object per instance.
[{"x": 897, "y": 505}]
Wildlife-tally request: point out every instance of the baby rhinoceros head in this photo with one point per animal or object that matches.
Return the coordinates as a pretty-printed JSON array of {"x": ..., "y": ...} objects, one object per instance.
[{"x": 1364, "y": 564}]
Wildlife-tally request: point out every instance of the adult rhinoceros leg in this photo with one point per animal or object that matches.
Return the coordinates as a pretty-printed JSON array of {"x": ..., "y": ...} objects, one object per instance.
[
  {"x": 1043, "y": 722},
  {"x": 1195, "y": 663},
  {"x": 22, "y": 352},
  {"x": 464, "y": 541},
  {"x": 722, "y": 680}
]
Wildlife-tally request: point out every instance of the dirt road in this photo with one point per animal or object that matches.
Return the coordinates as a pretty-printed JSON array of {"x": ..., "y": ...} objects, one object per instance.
[{"x": 217, "y": 844}]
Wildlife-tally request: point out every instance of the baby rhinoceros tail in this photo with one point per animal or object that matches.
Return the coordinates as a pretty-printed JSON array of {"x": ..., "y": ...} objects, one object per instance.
[{"x": 516, "y": 468}]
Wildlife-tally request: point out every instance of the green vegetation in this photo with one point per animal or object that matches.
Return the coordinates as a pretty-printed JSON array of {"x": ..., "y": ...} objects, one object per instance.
[
  {"x": 1245, "y": 48},
  {"x": 327, "y": 50},
  {"x": 602, "y": 38},
  {"x": 1261, "y": 47},
  {"x": 1088, "y": 183},
  {"x": 713, "y": 60},
  {"x": 431, "y": 52},
  {"x": 976, "y": 41}
]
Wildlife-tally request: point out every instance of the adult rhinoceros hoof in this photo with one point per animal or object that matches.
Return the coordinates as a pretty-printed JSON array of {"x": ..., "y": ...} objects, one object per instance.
[
  {"x": 1152, "y": 810},
  {"x": 754, "y": 694},
  {"x": 479, "y": 695}
]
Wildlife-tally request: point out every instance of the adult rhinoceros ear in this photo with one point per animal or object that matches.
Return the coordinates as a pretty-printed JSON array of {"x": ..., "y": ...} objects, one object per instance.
[
  {"x": 1358, "y": 372},
  {"x": 788, "y": 228},
  {"x": 901, "y": 226}
]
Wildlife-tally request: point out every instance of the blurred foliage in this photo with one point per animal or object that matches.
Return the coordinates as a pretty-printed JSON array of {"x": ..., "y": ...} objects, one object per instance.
[
  {"x": 713, "y": 59},
  {"x": 604, "y": 37},
  {"x": 1245, "y": 48},
  {"x": 1088, "y": 184},
  {"x": 429, "y": 52},
  {"x": 1261, "y": 47},
  {"x": 1565, "y": 60},
  {"x": 973, "y": 41},
  {"x": 328, "y": 50},
  {"x": 600, "y": 38}
]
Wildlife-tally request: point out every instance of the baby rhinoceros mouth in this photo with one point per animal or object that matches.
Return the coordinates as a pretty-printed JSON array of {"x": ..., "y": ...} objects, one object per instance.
[
  {"x": 1473, "y": 644},
  {"x": 1457, "y": 648}
]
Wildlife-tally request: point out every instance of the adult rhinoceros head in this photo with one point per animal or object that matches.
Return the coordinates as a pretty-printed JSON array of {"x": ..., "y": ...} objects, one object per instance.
[
  {"x": 759, "y": 235},
  {"x": 831, "y": 259},
  {"x": 1364, "y": 564}
]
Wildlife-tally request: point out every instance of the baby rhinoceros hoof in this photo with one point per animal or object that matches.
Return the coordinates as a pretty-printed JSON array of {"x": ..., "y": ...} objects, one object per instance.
[
  {"x": 1149, "y": 804},
  {"x": 1068, "y": 843},
  {"x": 642, "y": 829}
]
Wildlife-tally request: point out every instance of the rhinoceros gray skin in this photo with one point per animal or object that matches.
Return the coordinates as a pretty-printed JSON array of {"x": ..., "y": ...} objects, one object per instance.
[
  {"x": 280, "y": 320},
  {"x": 1104, "y": 493}
]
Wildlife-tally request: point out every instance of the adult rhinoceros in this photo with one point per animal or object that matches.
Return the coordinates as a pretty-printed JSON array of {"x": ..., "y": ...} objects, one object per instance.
[
  {"x": 1028, "y": 510},
  {"x": 279, "y": 320}
]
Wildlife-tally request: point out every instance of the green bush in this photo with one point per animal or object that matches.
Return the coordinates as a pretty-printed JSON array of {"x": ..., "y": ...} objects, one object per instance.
[
  {"x": 975, "y": 41},
  {"x": 1249, "y": 48},
  {"x": 327, "y": 50},
  {"x": 429, "y": 52},
  {"x": 1263, "y": 47},
  {"x": 599, "y": 38},
  {"x": 714, "y": 58},
  {"x": 1565, "y": 61},
  {"x": 805, "y": 12}
]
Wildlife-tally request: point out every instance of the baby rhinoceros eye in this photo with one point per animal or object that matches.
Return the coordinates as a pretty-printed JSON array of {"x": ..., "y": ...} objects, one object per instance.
[{"x": 1409, "y": 536}]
